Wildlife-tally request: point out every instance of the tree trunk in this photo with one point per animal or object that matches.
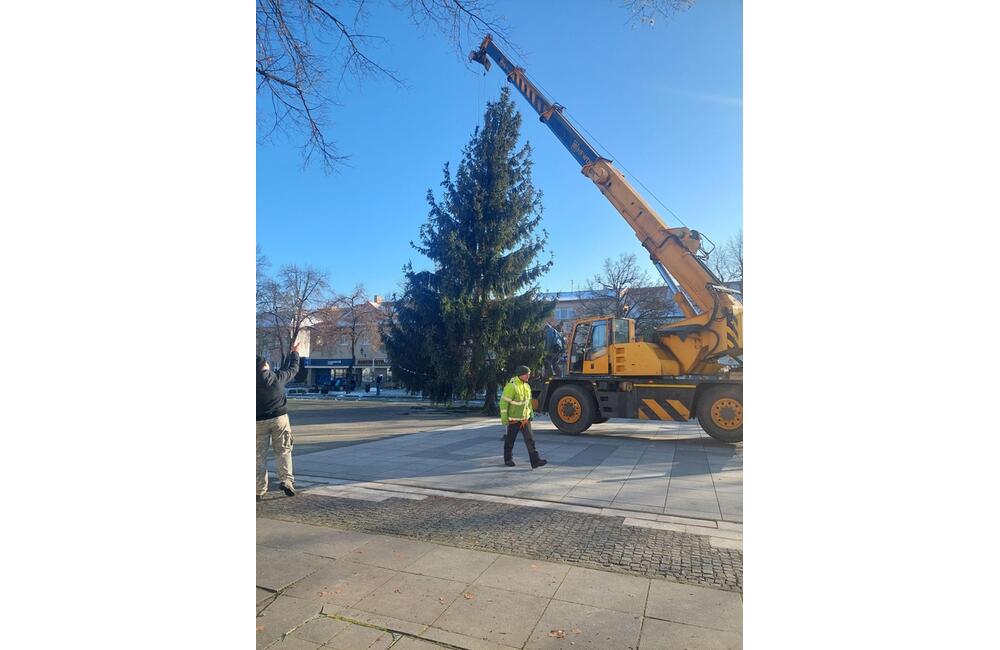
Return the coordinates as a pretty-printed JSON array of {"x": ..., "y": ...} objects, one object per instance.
[{"x": 490, "y": 406}]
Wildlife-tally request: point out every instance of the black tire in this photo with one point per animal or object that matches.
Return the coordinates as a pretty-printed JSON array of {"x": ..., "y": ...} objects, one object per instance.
[
  {"x": 571, "y": 409},
  {"x": 720, "y": 412},
  {"x": 601, "y": 420}
]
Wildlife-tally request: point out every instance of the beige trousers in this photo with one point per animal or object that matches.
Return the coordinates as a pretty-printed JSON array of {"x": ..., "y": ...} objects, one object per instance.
[{"x": 277, "y": 434}]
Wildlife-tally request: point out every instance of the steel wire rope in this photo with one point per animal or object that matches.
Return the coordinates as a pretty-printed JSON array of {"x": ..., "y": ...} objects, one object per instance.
[{"x": 577, "y": 124}]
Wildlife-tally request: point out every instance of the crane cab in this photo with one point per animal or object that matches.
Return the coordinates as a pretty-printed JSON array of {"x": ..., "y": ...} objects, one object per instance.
[{"x": 606, "y": 346}]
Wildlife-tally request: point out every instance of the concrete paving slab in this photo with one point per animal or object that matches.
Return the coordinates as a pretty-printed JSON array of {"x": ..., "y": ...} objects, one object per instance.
[
  {"x": 587, "y": 628},
  {"x": 692, "y": 605},
  {"x": 493, "y": 615},
  {"x": 341, "y": 582},
  {"x": 458, "y": 564},
  {"x": 358, "y": 637},
  {"x": 278, "y": 568},
  {"x": 381, "y": 621},
  {"x": 532, "y": 577},
  {"x": 467, "y": 459},
  {"x": 390, "y": 552},
  {"x": 620, "y": 504},
  {"x": 419, "y": 599},
  {"x": 282, "y": 616},
  {"x": 593, "y": 503},
  {"x": 456, "y": 640},
  {"x": 294, "y": 643},
  {"x": 721, "y": 542},
  {"x": 602, "y": 589},
  {"x": 320, "y": 630},
  {"x": 263, "y": 594},
  {"x": 666, "y": 635},
  {"x": 409, "y": 643},
  {"x": 314, "y": 540}
]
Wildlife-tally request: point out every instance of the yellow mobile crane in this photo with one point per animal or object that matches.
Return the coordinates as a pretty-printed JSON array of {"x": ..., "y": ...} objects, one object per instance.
[{"x": 609, "y": 373}]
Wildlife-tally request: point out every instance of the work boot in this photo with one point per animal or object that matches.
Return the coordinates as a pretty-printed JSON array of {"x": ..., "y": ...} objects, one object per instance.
[
  {"x": 509, "y": 462},
  {"x": 288, "y": 489},
  {"x": 537, "y": 462}
]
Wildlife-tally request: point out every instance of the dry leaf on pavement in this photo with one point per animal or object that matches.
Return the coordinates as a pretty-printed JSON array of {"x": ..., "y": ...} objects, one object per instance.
[
  {"x": 469, "y": 595},
  {"x": 558, "y": 634}
]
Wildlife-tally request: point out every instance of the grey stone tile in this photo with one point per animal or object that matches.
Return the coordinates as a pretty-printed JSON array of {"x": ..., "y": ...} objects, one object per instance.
[
  {"x": 651, "y": 496},
  {"x": 263, "y": 594},
  {"x": 691, "y": 605},
  {"x": 409, "y": 643},
  {"x": 461, "y": 565},
  {"x": 357, "y": 637},
  {"x": 454, "y": 639},
  {"x": 278, "y": 568},
  {"x": 315, "y": 540},
  {"x": 665, "y": 635},
  {"x": 390, "y": 552},
  {"x": 525, "y": 576},
  {"x": 493, "y": 614},
  {"x": 320, "y": 629},
  {"x": 420, "y": 599},
  {"x": 294, "y": 643},
  {"x": 711, "y": 515},
  {"x": 594, "y": 503},
  {"x": 599, "y": 492},
  {"x": 282, "y": 616},
  {"x": 587, "y": 628},
  {"x": 381, "y": 621},
  {"x": 341, "y": 582},
  {"x": 640, "y": 507},
  {"x": 602, "y": 589}
]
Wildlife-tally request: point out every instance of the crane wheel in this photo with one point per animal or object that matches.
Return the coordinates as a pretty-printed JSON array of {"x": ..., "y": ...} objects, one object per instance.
[
  {"x": 720, "y": 413},
  {"x": 572, "y": 409}
]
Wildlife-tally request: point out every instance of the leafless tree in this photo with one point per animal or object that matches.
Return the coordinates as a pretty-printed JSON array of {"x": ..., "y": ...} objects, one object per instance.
[
  {"x": 727, "y": 262},
  {"x": 291, "y": 301},
  {"x": 623, "y": 290},
  {"x": 647, "y": 11},
  {"x": 351, "y": 318},
  {"x": 307, "y": 50},
  {"x": 262, "y": 264}
]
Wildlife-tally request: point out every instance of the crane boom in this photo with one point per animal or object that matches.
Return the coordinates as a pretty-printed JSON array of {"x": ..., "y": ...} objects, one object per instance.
[{"x": 676, "y": 252}]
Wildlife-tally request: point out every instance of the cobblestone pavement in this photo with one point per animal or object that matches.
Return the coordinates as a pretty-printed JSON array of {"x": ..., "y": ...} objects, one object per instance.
[{"x": 593, "y": 541}]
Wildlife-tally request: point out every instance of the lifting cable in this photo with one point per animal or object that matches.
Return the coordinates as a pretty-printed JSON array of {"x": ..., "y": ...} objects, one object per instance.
[{"x": 577, "y": 124}]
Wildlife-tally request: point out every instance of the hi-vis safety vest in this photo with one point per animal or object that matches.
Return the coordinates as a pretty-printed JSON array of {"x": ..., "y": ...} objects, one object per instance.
[{"x": 515, "y": 404}]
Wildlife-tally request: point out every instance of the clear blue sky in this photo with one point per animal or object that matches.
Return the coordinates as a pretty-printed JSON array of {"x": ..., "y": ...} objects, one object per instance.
[{"x": 665, "y": 101}]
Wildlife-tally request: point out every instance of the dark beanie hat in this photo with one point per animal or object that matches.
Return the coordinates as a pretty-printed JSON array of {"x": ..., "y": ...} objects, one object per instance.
[{"x": 521, "y": 370}]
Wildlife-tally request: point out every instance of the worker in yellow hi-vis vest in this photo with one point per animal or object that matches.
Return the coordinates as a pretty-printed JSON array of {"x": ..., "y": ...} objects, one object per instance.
[{"x": 515, "y": 413}]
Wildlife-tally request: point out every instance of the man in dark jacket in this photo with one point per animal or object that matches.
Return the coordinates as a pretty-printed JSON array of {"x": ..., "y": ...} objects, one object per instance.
[{"x": 273, "y": 428}]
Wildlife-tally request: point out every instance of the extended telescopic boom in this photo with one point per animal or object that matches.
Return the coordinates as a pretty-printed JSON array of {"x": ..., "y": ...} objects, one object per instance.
[{"x": 674, "y": 251}]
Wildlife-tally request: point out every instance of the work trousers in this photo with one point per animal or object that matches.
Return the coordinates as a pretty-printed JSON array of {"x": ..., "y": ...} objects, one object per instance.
[
  {"x": 529, "y": 440},
  {"x": 275, "y": 433}
]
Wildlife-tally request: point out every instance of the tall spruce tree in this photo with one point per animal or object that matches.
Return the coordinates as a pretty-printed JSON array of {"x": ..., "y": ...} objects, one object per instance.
[{"x": 465, "y": 326}]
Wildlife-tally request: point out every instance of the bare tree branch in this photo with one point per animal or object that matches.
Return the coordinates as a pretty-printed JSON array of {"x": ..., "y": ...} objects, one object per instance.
[
  {"x": 623, "y": 290},
  {"x": 301, "y": 42},
  {"x": 288, "y": 304},
  {"x": 646, "y": 11}
]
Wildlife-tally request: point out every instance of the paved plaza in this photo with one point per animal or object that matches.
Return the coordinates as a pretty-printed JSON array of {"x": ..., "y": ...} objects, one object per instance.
[
  {"x": 416, "y": 536},
  {"x": 646, "y": 467},
  {"x": 344, "y": 590}
]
